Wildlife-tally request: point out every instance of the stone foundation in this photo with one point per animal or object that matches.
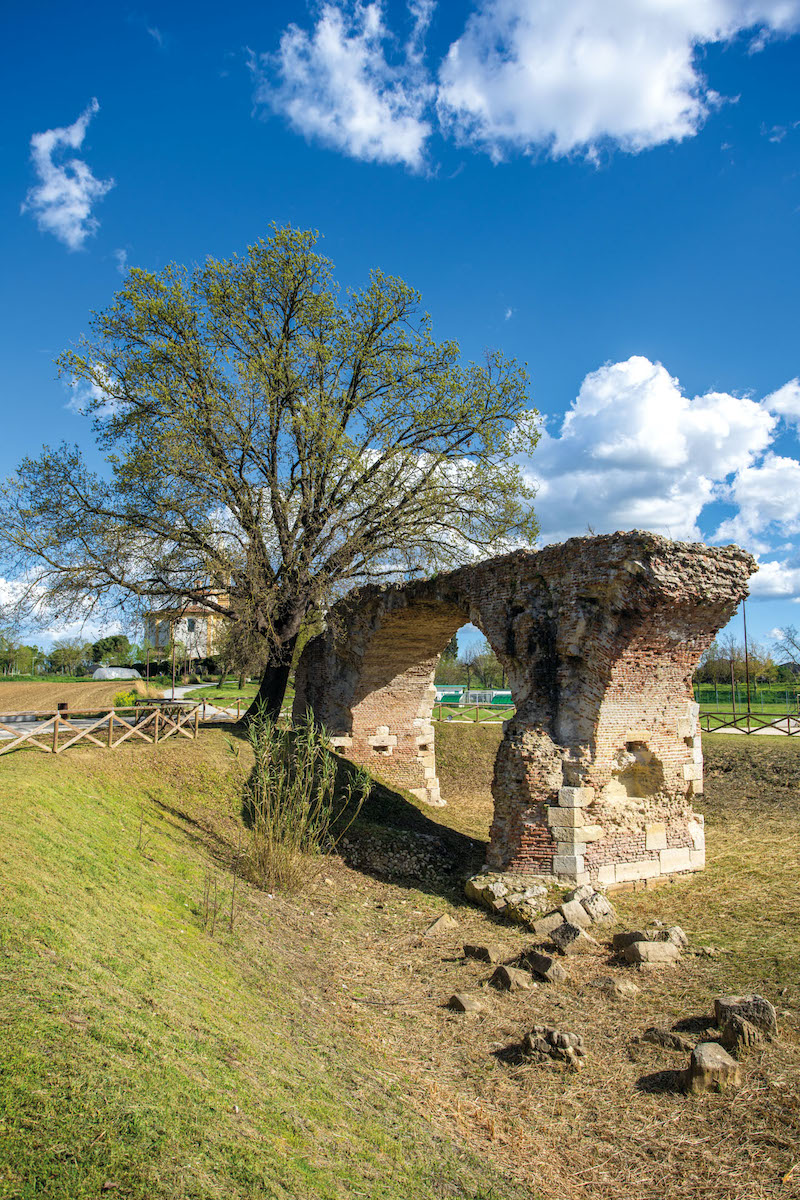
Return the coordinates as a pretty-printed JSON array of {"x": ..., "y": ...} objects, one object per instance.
[{"x": 598, "y": 768}]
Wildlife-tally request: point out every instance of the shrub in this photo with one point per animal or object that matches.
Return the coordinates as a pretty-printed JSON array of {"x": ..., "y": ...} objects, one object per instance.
[
  {"x": 301, "y": 800},
  {"x": 125, "y": 699}
]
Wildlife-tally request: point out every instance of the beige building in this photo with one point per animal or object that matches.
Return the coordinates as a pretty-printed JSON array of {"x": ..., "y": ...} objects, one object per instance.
[{"x": 191, "y": 626}]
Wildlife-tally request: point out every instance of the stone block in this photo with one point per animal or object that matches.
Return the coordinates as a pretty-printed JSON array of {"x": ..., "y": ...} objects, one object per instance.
[
  {"x": 564, "y": 817},
  {"x": 590, "y": 833},
  {"x": 464, "y": 1003},
  {"x": 677, "y": 859},
  {"x": 606, "y": 874},
  {"x": 575, "y": 797},
  {"x": 663, "y": 953},
  {"x": 568, "y": 865},
  {"x": 691, "y": 772},
  {"x": 574, "y": 912},
  {"x": 545, "y": 925},
  {"x": 599, "y": 908},
  {"x": 570, "y": 849},
  {"x": 545, "y": 966},
  {"x": 482, "y": 952},
  {"x": 697, "y": 860},
  {"x": 697, "y": 833},
  {"x": 571, "y": 939},
  {"x": 711, "y": 1069},
  {"x": 655, "y": 836},
  {"x": 511, "y": 979},
  {"x": 579, "y": 893},
  {"x": 753, "y": 1008},
  {"x": 621, "y": 941},
  {"x": 626, "y": 872}
]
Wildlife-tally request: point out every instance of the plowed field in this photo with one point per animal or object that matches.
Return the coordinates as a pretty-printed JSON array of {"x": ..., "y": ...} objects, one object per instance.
[{"x": 44, "y": 697}]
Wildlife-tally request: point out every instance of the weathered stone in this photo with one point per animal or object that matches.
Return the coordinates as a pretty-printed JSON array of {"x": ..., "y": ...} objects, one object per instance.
[
  {"x": 711, "y": 1069},
  {"x": 580, "y": 893},
  {"x": 545, "y": 966},
  {"x": 525, "y": 912},
  {"x": 545, "y": 1041},
  {"x": 571, "y": 939},
  {"x": 599, "y": 908},
  {"x": 678, "y": 938},
  {"x": 739, "y": 1034},
  {"x": 543, "y": 926},
  {"x": 618, "y": 989},
  {"x": 653, "y": 953},
  {"x": 667, "y": 1038},
  {"x": 753, "y": 1008},
  {"x": 620, "y": 941},
  {"x": 511, "y": 979},
  {"x": 596, "y": 634},
  {"x": 464, "y": 1003},
  {"x": 574, "y": 912},
  {"x": 443, "y": 924},
  {"x": 482, "y": 953}
]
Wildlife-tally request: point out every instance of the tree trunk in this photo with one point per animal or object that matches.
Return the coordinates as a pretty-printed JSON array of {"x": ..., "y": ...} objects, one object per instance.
[
  {"x": 242, "y": 681},
  {"x": 272, "y": 690}
]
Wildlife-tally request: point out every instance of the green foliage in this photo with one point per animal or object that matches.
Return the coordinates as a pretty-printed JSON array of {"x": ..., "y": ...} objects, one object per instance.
[
  {"x": 297, "y": 798},
  {"x": 114, "y": 649},
  {"x": 272, "y": 439}
]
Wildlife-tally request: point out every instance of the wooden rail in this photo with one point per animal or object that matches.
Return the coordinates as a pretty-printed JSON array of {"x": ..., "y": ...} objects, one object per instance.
[
  {"x": 56, "y": 731},
  {"x": 749, "y": 723},
  {"x": 444, "y": 711}
]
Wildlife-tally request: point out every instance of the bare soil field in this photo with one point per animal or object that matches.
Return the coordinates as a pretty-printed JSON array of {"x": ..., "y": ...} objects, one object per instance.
[{"x": 45, "y": 697}]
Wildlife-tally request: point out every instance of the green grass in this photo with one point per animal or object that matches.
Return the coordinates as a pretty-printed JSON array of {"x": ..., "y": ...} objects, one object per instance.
[{"x": 140, "y": 1051}]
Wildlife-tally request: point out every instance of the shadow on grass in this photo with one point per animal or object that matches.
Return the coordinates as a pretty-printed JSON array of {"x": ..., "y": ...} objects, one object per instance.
[
  {"x": 369, "y": 834},
  {"x": 660, "y": 1083}
]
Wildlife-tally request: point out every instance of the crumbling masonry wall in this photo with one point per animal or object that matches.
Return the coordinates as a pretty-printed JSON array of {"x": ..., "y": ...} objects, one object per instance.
[{"x": 597, "y": 770}]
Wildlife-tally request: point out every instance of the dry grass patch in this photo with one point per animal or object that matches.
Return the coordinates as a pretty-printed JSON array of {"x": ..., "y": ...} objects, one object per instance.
[{"x": 45, "y": 697}]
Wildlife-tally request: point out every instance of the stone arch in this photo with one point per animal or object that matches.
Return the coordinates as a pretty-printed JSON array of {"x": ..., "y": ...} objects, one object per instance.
[{"x": 597, "y": 769}]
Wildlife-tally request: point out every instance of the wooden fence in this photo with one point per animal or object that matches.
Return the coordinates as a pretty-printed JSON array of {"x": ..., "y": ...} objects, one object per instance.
[
  {"x": 749, "y": 723},
  {"x": 54, "y": 732},
  {"x": 494, "y": 713}
]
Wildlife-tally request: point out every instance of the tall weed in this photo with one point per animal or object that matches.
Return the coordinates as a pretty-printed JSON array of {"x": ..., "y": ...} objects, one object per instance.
[{"x": 301, "y": 800}]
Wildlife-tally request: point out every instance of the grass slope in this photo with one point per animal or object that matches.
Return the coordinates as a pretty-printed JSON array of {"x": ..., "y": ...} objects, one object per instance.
[{"x": 141, "y": 1052}]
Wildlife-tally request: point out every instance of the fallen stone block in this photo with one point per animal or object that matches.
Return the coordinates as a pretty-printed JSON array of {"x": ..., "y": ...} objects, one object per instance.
[
  {"x": 482, "y": 953},
  {"x": 754, "y": 1008},
  {"x": 524, "y": 912},
  {"x": 667, "y": 1038},
  {"x": 739, "y": 1034},
  {"x": 464, "y": 1003},
  {"x": 599, "y": 908},
  {"x": 678, "y": 938},
  {"x": 711, "y": 1069},
  {"x": 652, "y": 953},
  {"x": 543, "y": 926},
  {"x": 580, "y": 893},
  {"x": 620, "y": 941},
  {"x": 570, "y": 939},
  {"x": 545, "y": 966},
  {"x": 443, "y": 924},
  {"x": 511, "y": 979},
  {"x": 575, "y": 913},
  {"x": 618, "y": 989}
]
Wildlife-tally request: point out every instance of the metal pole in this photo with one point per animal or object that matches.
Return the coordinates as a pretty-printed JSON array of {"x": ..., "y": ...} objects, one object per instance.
[
  {"x": 733, "y": 694},
  {"x": 746, "y": 661}
]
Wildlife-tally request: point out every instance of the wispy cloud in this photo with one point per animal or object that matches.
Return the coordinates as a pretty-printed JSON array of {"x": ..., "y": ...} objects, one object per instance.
[
  {"x": 156, "y": 35},
  {"x": 122, "y": 260},
  {"x": 347, "y": 84},
  {"x": 508, "y": 314},
  {"x": 62, "y": 200}
]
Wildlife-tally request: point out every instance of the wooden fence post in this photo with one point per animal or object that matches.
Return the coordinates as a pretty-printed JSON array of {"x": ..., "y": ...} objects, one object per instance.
[
  {"x": 55, "y": 734},
  {"x": 155, "y": 735},
  {"x": 238, "y": 707},
  {"x": 111, "y": 729},
  {"x": 196, "y": 721}
]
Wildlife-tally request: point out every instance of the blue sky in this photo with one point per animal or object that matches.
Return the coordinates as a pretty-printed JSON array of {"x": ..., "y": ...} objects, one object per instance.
[{"x": 610, "y": 193}]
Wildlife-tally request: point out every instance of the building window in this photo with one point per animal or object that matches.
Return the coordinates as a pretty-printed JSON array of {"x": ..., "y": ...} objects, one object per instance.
[{"x": 190, "y": 625}]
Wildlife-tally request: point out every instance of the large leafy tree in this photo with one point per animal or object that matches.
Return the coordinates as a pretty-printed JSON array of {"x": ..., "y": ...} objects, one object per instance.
[{"x": 269, "y": 442}]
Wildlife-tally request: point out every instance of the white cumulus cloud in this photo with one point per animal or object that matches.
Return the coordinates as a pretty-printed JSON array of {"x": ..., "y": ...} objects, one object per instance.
[
  {"x": 766, "y": 496},
  {"x": 62, "y": 200},
  {"x": 634, "y": 451},
  {"x": 348, "y": 83},
  {"x": 569, "y": 76},
  {"x": 776, "y": 581},
  {"x": 786, "y": 402},
  {"x": 558, "y": 77}
]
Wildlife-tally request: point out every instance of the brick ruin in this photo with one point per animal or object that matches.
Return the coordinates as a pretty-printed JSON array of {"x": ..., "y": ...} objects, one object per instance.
[{"x": 598, "y": 768}]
